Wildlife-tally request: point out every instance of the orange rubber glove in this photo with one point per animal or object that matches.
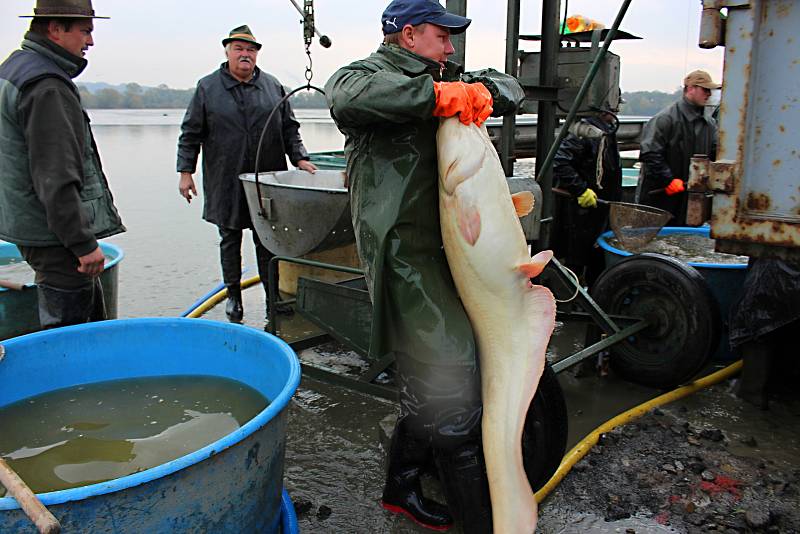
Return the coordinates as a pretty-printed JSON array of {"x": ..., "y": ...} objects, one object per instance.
[
  {"x": 675, "y": 186},
  {"x": 472, "y": 102}
]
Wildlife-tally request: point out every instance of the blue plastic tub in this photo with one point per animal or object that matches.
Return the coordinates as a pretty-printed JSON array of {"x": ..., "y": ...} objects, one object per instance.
[
  {"x": 231, "y": 485},
  {"x": 19, "y": 312},
  {"x": 724, "y": 279}
]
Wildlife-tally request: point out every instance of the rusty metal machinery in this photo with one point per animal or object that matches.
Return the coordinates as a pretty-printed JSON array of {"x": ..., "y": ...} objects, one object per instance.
[
  {"x": 573, "y": 64},
  {"x": 754, "y": 181}
]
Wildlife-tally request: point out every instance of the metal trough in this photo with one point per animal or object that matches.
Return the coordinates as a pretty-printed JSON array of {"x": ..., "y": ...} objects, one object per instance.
[{"x": 299, "y": 212}]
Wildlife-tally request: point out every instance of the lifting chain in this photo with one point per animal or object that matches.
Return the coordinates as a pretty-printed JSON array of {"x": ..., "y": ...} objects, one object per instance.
[{"x": 308, "y": 35}]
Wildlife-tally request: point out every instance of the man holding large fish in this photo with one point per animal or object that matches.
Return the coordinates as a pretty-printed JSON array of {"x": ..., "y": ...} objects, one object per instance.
[{"x": 388, "y": 107}]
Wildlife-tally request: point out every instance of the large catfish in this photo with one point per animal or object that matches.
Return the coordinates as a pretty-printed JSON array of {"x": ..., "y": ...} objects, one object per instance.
[{"x": 512, "y": 319}]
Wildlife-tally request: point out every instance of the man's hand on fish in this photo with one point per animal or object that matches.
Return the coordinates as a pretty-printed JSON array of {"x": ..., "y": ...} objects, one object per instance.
[
  {"x": 305, "y": 165},
  {"x": 472, "y": 102}
]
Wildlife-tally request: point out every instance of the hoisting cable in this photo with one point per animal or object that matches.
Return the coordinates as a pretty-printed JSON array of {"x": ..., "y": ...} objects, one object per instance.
[{"x": 308, "y": 36}]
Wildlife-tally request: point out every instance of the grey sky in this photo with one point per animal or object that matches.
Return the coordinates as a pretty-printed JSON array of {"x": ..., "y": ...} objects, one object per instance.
[{"x": 177, "y": 41}]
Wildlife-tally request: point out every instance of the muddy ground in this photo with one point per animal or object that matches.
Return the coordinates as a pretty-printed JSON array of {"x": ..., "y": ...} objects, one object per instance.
[
  {"x": 706, "y": 463},
  {"x": 674, "y": 470}
]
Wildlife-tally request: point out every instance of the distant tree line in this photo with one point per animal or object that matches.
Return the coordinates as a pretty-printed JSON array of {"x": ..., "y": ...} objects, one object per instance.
[
  {"x": 135, "y": 96},
  {"x": 646, "y": 103}
]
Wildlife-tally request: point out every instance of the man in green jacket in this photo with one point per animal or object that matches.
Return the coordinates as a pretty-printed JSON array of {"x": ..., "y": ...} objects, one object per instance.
[
  {"x": 55, "y": 202},
  {"x": 669, "y": 140},
  {"x": 387, "y": 106}
]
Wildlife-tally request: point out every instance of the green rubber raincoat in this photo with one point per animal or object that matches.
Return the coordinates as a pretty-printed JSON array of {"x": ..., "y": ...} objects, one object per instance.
[{"x": 384, "y": 105}]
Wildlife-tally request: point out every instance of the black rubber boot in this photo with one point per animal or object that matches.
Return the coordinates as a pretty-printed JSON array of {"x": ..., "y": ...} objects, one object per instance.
[
  {"x": 402, "y": 493},
  {"x": 64, "y": 307},
  {"x": 466, "y": 487},
  {"x": 756, "y": 364},
  {"x": 234, "y": 309}
]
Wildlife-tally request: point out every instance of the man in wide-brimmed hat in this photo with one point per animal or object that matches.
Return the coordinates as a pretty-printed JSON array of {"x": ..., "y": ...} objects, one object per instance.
[
  {"x": 55, "y": 202},
  {"x": 225, "y": 119},
  {"x": 669, "y": 140}
]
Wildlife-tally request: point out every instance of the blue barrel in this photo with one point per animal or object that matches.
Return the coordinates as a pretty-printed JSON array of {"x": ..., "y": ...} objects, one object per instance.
[
  {"x": 724, "y": 279},
  {"x": 232, "y": 485},
  {"x": 19, "y": 312}
]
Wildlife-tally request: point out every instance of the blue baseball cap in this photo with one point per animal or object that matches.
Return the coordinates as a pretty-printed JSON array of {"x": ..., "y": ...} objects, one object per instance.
[{"x": 415, "y": 12}]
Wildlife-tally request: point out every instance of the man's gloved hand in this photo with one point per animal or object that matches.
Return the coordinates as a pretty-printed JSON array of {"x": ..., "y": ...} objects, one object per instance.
[
  {"x": 587, "y": 199},
  {"x": 472, "y": 102},
  {"x": 675, "y": 186}
]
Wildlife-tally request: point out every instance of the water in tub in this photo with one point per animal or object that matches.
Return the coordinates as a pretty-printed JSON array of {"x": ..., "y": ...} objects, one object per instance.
[
  {"x": 86, "y": 434},
  {"x": 15, "y": 270}
]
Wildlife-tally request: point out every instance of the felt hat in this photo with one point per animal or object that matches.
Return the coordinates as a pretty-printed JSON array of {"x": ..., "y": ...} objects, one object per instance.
[{"x": 64, "y": 9}]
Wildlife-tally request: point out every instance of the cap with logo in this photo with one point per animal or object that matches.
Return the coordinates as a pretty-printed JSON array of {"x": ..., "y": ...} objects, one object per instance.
[{"x": 415, "y": 12}]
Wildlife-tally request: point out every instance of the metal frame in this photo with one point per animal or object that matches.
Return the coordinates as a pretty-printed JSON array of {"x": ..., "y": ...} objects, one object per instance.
[
  {"x": 364, "y": 382},
  {"x": 609, "y": 324}
]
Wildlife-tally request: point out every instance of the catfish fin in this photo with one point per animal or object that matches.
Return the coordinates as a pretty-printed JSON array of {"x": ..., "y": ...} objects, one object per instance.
[
  {"x": 523, "y": 202},
  {"x": 537, "y": 264}
]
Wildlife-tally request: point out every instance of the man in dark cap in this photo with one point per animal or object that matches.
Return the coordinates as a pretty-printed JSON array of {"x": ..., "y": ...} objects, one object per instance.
[
  {"x": 225, "y": 118},
  {"x": 669, "y": 140},
  {"x": 387, "y": 106},
  {"x": 55, "y": 202}
]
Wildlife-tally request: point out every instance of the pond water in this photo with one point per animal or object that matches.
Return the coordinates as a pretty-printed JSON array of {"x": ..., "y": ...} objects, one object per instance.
[{"x": 171, "y": 254}]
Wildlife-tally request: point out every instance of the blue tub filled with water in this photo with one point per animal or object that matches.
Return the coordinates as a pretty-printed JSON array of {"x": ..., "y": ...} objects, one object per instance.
[
  {"x": 724, "y": 279},
  {"x": 234, "y": 484},
  {"x": 19, "y": 307}
]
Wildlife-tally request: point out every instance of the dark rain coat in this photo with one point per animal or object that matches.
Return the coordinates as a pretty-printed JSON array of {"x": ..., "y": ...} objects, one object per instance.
[
  {"x": 384, "y": 104},
  {"x": 225, "y": 118},
  {"x": 574, "y": 170},
  {"x": 669, "y": 140}
]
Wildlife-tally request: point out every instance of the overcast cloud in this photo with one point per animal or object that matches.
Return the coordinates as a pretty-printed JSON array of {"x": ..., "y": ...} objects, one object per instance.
[{"x": 175, "y": 42}]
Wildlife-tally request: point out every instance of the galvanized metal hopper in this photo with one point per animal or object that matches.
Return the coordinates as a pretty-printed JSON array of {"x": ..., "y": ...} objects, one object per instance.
[
  {"x": 299, "y": 212},
  {"x": 635, "y": 225}
]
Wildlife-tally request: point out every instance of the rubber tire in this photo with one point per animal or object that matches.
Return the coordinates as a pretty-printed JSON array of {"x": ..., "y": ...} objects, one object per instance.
[
  {"x": 685, "y": 319},
  {"x": 544, "y": 436}
]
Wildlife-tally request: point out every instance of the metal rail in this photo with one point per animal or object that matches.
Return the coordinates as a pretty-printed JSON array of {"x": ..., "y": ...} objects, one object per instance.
[{"x": 272, "y": 271}]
